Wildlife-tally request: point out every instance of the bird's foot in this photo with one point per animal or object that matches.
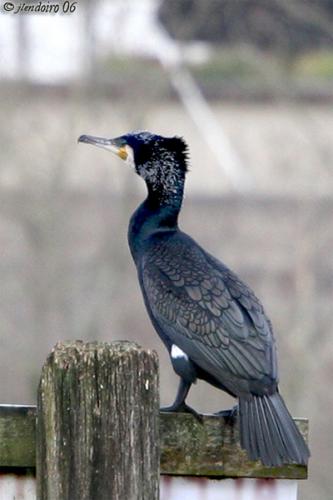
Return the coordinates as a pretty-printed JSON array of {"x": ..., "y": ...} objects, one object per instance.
[
  {"x": 182, "y": 408},
  {"x": 230, "y": 414}
]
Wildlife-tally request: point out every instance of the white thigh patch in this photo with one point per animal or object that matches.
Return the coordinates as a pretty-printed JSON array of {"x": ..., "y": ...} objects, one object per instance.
[{"x": 177, "y": 353}]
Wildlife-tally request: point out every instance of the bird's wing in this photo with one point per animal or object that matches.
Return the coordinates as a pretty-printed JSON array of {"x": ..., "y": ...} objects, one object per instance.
[{"x": 207, "y": 311}]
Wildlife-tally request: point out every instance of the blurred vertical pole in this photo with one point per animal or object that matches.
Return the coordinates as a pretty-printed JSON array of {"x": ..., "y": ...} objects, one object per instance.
[
  {"x": 89, "y": 43},
  {"x": 209, "y": 126},
  {"x": 23, "y": 48}
]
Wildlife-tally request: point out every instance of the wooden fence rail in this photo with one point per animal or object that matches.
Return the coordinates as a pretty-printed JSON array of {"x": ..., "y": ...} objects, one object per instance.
[{"x": 99, "y": 430}]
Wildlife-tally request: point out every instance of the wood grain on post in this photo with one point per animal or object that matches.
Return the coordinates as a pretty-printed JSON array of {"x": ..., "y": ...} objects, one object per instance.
[{"x": 97, "y": 423}]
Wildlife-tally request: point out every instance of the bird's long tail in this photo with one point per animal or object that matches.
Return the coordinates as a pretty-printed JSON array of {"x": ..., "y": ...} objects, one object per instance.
[{"x": 268, "y": 432}]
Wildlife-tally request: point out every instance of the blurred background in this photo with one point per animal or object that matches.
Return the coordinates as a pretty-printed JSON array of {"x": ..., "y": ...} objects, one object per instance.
[{"x": 249, "y": 84}]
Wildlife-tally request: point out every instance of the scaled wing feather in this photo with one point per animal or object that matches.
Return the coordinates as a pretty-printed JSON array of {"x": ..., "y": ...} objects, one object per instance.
[{"x": 206, "y": 310}]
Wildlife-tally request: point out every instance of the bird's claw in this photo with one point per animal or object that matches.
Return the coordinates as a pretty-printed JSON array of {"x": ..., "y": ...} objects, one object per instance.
[
  {"x": 230, "y": 414},
  {"x": 182, "y": 408}
]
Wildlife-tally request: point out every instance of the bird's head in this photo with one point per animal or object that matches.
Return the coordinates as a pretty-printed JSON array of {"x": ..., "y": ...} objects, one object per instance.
[{"x": 160, "y": 161}]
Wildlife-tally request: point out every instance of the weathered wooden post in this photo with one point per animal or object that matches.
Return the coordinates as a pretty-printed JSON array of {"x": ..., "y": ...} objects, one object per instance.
[{"x": 97, "y": 423}]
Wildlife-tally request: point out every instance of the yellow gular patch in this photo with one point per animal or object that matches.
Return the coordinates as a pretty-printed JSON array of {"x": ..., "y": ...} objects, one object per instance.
[{"x": 122, "y": 153}]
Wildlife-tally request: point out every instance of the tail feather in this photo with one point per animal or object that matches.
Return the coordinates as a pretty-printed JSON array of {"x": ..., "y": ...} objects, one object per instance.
[
  {"x": 265, "y": 435},
  {"x": 280, "y": 442},
  {"x": 268, "y": 432}
]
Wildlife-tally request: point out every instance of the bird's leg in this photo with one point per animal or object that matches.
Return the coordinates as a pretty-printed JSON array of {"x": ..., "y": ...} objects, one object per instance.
[{"x": 179, "y": 404}]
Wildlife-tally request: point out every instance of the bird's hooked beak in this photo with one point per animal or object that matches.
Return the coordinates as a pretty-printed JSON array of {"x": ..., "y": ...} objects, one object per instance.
[{"x": 116, "y": 146}]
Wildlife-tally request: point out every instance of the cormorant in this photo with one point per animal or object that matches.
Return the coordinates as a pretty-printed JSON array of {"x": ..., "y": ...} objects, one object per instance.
[{"x": 212, "y": 324}]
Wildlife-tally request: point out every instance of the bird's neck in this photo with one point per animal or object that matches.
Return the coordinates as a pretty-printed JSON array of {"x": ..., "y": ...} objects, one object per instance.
[{"x": 155, "y": 215}]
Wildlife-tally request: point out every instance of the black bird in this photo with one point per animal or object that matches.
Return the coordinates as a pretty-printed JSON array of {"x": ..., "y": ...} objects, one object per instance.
[{"x": 212, "y": 324}]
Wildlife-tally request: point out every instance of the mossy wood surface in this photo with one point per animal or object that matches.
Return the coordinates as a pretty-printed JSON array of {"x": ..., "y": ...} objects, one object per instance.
[
  {"x": 17, "y": 436},
  {"x": 212, "y": 449},
  {"x": 97, "y": 423}
]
